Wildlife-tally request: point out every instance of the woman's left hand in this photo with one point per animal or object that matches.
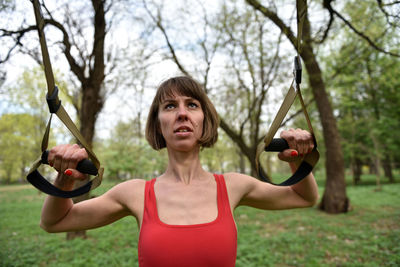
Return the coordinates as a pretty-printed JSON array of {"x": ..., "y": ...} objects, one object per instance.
[{"x": 300, "y": 142}]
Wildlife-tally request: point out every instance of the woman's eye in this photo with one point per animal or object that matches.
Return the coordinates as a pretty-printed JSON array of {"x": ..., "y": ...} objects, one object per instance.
[
  {"x": 169, "y": 106},
  {"x": 193, "y": 105}
]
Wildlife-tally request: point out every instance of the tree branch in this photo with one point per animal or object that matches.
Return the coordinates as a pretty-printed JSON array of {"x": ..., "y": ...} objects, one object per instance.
[
  {"x": 327, "y": 5},
  {"x": 387, "y": 15},
  {"x": 75, "y": 67},
  {"x": 235, "y": 137},
  {"x": 158, "y": 22},
  {"x": 17, "y": 36},
  {"x": 276, "y": 20}
]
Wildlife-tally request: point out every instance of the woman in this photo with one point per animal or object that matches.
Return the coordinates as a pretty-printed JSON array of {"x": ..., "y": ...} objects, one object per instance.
[{"x": 184, "y": 215}]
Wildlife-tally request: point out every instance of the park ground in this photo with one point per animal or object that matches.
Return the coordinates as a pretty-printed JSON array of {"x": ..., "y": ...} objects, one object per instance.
[{"x": 368, "y": 235}]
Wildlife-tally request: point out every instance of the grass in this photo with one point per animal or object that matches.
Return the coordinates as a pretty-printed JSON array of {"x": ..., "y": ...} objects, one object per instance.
[{"x": 368, "y": 235}]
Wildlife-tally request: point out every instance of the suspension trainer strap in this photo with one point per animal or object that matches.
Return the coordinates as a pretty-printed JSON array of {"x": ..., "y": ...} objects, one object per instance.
[
  {"x": 87, "y": 166},
  {"x": 306, "y": 163}
]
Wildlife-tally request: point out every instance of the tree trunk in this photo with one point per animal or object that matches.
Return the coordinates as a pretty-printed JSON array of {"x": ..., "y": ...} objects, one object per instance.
[
  {"x": 92, "y": 100},
  {"x": 357, "y": 170},
  {"x": 376, "y": 158},
  {"x": 334, "y": 199},
  {"x": 387, "y": 167},
  {"x": 372, "y": 167},
  {"x": 242, "y": 162}
]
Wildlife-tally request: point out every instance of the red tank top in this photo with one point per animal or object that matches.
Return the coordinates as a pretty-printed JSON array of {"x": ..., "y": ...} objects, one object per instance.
[{"x": 198, "y": 245}]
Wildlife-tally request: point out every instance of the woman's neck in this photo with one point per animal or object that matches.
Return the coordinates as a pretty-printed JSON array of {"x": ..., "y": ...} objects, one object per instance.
[{"x": 184, "y": 166}]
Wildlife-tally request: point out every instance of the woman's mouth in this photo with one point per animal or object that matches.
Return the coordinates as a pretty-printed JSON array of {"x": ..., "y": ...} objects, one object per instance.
[{"x": 183, "y": 129}]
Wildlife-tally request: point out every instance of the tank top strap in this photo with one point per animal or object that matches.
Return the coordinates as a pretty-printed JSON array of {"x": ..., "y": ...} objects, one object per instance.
[
  {"x": 223, "y": 200},
  {"x": 150, "y": 205}
]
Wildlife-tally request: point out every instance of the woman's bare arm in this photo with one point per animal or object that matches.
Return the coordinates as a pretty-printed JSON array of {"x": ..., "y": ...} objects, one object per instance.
[
  {"x": 61, "y": 215},
  {"x": 247, "y": 190}
]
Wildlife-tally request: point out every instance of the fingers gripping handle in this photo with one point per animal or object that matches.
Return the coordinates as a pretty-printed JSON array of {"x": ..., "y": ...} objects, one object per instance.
[
  {"x": 85, "y": 166},
  {"x": 306, "y": 166},
  {"x": 277, "y": 145}
]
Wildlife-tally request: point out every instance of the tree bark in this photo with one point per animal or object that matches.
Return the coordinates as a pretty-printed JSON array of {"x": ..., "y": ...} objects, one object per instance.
[{"x": 334, "y": 199}]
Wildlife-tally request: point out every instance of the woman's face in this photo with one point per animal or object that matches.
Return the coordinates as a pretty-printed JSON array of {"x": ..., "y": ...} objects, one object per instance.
[{"x": 181, "y": 122}]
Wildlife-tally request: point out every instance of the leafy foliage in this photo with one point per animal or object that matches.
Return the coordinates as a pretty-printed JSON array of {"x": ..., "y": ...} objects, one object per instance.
[
  {"x": 365, "y": 91},
  {"x": 18, "y": 144},
  {"x": 127, "y": 155},
  {"x": 23, "y": 124}
]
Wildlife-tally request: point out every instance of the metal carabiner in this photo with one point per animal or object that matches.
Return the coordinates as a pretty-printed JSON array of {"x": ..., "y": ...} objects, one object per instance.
[{"x": 297, "y": 69}]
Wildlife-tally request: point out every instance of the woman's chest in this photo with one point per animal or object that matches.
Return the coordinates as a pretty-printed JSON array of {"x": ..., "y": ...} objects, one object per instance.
[{"x": 186, "y": 205}]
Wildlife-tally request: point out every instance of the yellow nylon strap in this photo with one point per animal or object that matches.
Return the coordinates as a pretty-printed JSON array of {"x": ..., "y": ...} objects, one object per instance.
[
  {"x": 61, "y": 113},
  {"x": 45, "y": 53},
  {"x": 283, "y": 110},
  {"x": 64, "y": 117},
  {"x": 276, "y": 123},
  {"x": 313, "y": 157}
]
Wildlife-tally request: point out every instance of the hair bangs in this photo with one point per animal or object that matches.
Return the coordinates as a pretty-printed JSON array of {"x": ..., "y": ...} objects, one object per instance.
[{"x": 179, "y": 87}]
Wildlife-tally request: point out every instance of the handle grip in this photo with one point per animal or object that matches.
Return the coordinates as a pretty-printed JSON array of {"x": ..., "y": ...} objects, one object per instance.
[
  {"x": 84, "y": 166},
  {"x": 277, "y": 145}
]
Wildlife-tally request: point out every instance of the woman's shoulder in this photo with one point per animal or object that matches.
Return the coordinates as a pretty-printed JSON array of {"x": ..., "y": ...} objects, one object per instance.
[
  {"x": 238, "y": 185},
  {"x": 131, "y": 184},
  {"x": 237, "y": 178},
  {"x": 129, "y": 189},
  {"x": 129, "y": 194}
]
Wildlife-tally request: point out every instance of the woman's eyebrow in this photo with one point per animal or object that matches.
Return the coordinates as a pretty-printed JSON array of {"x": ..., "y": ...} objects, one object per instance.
[
  {"x": 187, "y": 98},
  {"x": 192, "y": 99},
  {"x": 168, "y": 100}
]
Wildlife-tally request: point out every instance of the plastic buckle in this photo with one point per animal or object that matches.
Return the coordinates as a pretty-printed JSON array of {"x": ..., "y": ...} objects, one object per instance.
[
  {"x": 297, "y": 69},
  {"x": 52, "y": 101}
]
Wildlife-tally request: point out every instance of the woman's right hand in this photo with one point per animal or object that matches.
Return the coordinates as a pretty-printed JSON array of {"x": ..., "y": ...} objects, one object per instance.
[{"x": 64, "y": 158}]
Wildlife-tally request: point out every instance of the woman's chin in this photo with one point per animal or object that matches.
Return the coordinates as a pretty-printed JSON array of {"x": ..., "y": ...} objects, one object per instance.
[{"x": 184, "y": 147}]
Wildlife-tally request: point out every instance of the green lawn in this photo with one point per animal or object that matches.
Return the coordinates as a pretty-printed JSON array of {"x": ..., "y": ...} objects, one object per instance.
[{"x": 369, "y": 235}]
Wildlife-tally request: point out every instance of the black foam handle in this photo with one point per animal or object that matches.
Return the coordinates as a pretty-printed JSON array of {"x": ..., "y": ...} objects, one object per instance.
[
  {"x": 38, "y": 181},
  {"x": 84, "y": 166},
  {"x": 277, "y": 145}
]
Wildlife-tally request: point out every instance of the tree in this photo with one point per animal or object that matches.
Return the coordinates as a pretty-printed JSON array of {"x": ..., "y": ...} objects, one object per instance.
[
  {"x": 248, "y": 78},
  {"x": 223, "y": 156},
  {"x": 121, "y": 154},
  {"x": 18, "y": 144},
  {"x": 334, "y": 199},
  {"x": 387, "y": 10},
  {"x": 23, "y": 124},
  {"x": 365, "y": 82},
  {"x": 86, "y": 57}
]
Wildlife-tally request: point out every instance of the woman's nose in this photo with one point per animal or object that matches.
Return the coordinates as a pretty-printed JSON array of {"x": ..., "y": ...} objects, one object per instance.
[{"x": 182, "y": 112}]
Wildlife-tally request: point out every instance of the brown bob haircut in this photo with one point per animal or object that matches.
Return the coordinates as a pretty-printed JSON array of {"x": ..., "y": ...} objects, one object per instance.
[{"x": 184, "y": 86}]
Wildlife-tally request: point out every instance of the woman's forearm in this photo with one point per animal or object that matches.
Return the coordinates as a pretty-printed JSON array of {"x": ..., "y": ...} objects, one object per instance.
[
  {"x": 306, "y": 188},
  {"x": 56, "y": 208}
]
